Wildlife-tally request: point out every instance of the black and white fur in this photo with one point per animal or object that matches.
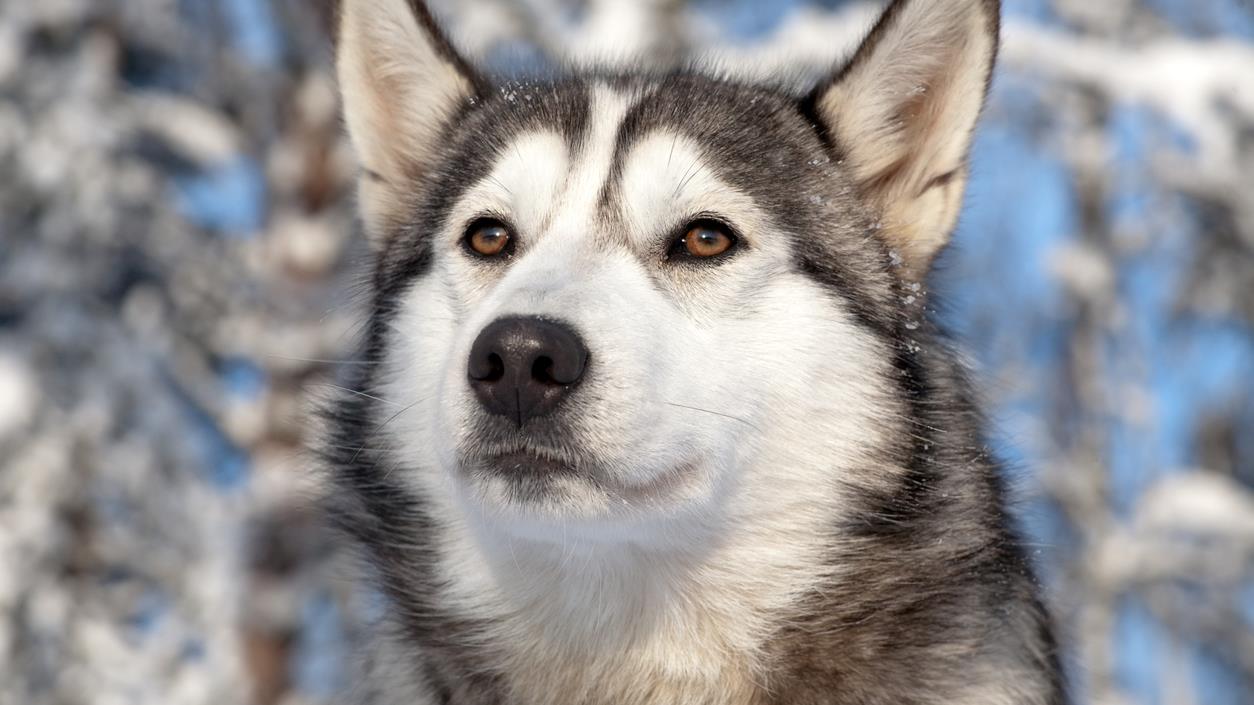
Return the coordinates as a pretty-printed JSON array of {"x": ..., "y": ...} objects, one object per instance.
[{"x": 772, "y": 486}]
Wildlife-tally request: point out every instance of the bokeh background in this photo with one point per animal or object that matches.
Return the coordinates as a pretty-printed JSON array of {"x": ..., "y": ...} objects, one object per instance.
[{"x": 178, "y": 255}]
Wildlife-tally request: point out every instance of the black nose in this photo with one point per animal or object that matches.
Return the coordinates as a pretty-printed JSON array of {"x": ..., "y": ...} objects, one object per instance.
[{"x": 523, "y": 367}]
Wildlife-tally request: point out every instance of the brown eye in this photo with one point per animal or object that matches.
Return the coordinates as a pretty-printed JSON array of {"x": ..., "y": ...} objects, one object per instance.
[
  {"x": 489, "y": 238},
  {"x": 704, "y": 240}
]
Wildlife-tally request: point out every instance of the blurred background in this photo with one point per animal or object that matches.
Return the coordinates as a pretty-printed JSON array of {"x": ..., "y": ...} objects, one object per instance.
[{"x": 178, "y": 254}]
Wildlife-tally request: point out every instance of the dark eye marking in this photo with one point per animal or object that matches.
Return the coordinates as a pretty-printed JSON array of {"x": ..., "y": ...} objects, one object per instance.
[
  {"x": 489, "y": 238},
  {"x": 704, "y": 241}
]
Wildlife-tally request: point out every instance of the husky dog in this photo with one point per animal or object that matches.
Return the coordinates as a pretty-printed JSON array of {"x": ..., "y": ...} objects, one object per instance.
[{"x": 651, "y": 412}]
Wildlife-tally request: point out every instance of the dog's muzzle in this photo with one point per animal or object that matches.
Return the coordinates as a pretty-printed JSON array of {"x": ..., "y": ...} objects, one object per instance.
[{"x": 524, "y": 367}]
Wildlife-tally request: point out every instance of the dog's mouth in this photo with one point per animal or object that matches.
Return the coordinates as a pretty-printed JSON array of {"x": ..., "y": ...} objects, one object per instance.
[
  {"x": 527, "y": 479},
  {"x": 528, "y": 476},
  {"x": 525, "y": 464}
]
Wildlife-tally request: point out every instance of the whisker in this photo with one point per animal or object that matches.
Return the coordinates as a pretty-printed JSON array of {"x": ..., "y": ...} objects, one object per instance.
[
  {"x": 391, "y": 469},
  {"x": 683, "y": 185},
  {"x": 362, "y": 449},
  {"x": 362, "y": 394},
  {"x": 497, "y": 181},
  {"x": 746, "y": 422},
  {"x": 321, "y": 360},
  {"x": 689, "y": 174},
  {"x": 380, "y": 427}
]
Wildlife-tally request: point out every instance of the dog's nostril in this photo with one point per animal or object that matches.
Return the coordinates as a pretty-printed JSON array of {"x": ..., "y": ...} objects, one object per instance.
[
  {"x": 496, "y": 368},
  {"x": 542, "y": 370},
  {"x": 489, "y": 367}
]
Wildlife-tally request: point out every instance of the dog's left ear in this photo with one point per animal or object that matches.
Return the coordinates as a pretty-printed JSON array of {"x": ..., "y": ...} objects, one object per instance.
[
  {"x": 901, "y": 112},
  {"x": 402, "y": 84}
]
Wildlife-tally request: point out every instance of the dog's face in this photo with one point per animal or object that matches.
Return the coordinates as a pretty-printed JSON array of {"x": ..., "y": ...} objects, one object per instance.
[{"x": 615, "y": 301}]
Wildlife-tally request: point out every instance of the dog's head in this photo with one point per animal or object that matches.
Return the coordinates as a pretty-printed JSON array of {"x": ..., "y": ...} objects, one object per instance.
[{"x": 611, "y": 300}]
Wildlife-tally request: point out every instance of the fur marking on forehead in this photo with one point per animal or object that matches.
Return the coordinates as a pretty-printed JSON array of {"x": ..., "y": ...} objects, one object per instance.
[
  {"x": 547, "y": 184},
  {"x": 526, "y": 183},
  {"x": 666, "y": 177},
  {"x": 548, "y": 187}
]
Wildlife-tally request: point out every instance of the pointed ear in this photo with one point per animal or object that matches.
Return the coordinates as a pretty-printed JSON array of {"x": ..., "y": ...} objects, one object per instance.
[
  {"x": 902, "y": 112},
  {"x": 401, "y": 82}
]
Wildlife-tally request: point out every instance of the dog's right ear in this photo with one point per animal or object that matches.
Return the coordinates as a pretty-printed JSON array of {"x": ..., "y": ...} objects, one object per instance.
[
  {"x": 902, "y": 112},
  {"x": 401, "y": 82}
]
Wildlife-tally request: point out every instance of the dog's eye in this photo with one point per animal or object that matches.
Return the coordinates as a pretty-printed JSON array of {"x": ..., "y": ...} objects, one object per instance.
[
  {"x": 489, "y": 238},
  {"x": 704, "y": 239}
]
